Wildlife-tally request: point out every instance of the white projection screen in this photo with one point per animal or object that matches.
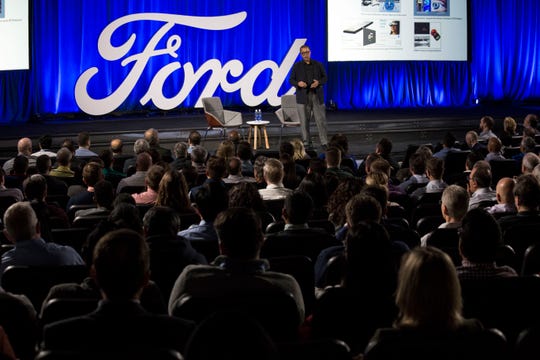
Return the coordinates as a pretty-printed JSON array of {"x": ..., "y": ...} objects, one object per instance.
[
  {"x": 14, "y": 35},
  {"x": 382, "y": 30}
]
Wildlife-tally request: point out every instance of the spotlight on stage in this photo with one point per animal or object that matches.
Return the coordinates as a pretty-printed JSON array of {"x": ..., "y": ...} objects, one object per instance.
[{"x": 477, "y": 101}]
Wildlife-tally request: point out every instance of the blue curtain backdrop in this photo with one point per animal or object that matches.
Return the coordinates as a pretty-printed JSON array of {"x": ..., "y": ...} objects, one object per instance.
[{"x": 503, "y": 65}]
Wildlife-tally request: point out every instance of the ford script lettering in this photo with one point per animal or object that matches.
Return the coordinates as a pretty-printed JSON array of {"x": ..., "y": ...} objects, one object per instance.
[{"x": 220, "y": 73}]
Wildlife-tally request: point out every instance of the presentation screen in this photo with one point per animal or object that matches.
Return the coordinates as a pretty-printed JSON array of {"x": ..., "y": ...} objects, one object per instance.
[
  {"x": 14, "y": 40},
  {"x": 382, "y": 30}
]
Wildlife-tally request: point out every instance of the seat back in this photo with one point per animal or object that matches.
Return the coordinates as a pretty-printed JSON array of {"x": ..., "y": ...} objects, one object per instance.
[
  {"x": 531, "y": 261},
  {"x": 454, "y": 164},
  {"x": 36, "y": 281},
  {"x": 214, "y": 107},
  {"x": 64, "y": 308},
  {"x": 289, "y": 109},
  {"x": 321, "y": 349},
  {"x": 520, "y": 237},
  {"x": 19, "y": 323},
  {"x": 502, "y": 168},
  {"x": 448, "y": 241},
  {"x": 275, "y": 310},
  {"x": 508, "y": 304}
]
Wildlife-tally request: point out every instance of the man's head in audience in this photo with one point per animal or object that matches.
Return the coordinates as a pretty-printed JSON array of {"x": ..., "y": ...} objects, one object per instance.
[
  {"x": 45, "y": 142},
  {"x": 180, "y": 150},
  {"x": 480, "y": 177},
  {"x": 297, "y": 208},
  {"x": 273, "y": 171},
  {"x": 472, "y": 159},
  {"x": 235, "y": 166},
  {"x": 527, "y": 193},
  {"x": 371, "y": 158},
  {"x": 449, "y": 140},
  {"x": 24, "y": 146},
  {"x": 83, "y": 140},
  {"x": 471, "y": 138},
  {"x": 117, "y": 146},
  {"x": 153, "y": 177},
  {"x": 152, "y": 136},
  {"x": 92, "y": 174},
  {"x": 454, "y": 203},
  {"x": 63, "y": 156},
  {"x": 143, "y": 162},
  {"x": 234, "y": 136},
  {"x": 527, "y": 144},
  {"x": 494, "y": 145},
  {"x": 194, "y": 138},
  {"x": 317, "y": 165},
  {"x": 380, "y": 165},
  {"x": 530, "y": 121},
  {"x": 210, "y": 200},
  {"x": 107, "y": 157},
  {"x": 434, "y": 168},
  {"x": 486, "y": 123},
  {"x": 121, "y": 265},
  {"x": 216, "y": 168},
  {"x": 530, "y": 160},
  {"x": 333, "y": 158},
  {"x": 35, "y": 187},
  {"x": 140, "y": 146},
  {"x": 417, "y": 164},
  {"x": 161, "y": 220},
  {"x": 21, "y": 223},
  {"x": 244, "y": 151},
  {"x": 20, "y": 165},
  {"x": 362, "y": 208},
  {"x": 480, "y": 237},
  {"x": 505, "y": 191},
  {"x": 239, "y": 233},
  {"x": 43, "y": 164},
  {"x": 198, "y": 155}
]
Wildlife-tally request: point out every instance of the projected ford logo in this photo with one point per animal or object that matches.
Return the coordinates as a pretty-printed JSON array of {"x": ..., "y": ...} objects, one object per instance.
[{"x": 220, "y": 73}]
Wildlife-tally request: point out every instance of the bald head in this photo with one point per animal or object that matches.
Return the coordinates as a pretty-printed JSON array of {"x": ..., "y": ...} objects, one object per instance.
[
  {"x": 505, "y": 191},
  {"x": 116, "y": 146},
  {"x": 151, "y": 135},
  {"x": 24, "y": 146}
]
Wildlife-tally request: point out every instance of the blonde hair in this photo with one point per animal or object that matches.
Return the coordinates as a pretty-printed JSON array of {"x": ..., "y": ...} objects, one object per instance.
[
  {"x": 377, "y": 178},
  {"x": 509, "y": 124},
  {"x": 299, "y": 149},
  {"x": 428, "y": 293}
]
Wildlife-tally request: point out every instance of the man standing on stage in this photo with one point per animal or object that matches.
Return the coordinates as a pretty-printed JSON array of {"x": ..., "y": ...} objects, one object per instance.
[{"x": 308, "y": 76}]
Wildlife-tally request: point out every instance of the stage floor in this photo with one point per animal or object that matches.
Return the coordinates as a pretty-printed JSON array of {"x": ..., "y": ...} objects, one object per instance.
[{"x": 364, "y": 128}]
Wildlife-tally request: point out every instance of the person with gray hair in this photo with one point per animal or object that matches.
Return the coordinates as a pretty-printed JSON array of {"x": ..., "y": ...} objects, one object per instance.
[
  {"x": 181, "y": 157},
  {"x": 23, "y": 229},
  {"x": 198, "y": 159},
  {"x": 530, "y": 160},
  {"x": 479, "y": 186},
  {"x": 140, "y": 146},
  {"x": 273, "y": 175},
  {"x": 24, "y": 147},
  {"x": 454, "y": 205}
]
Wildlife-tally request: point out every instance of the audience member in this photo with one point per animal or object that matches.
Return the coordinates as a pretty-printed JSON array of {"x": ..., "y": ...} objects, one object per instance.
[
  {"x": 24, "y": 148},
  {"x": 54, "y": 185},
  {"x": 63, "y": 164},
  {"x": 273, "y": 176},
  {"x": 509, "y": 131},
  {"x": 294, "y": 172},
  {"x": 15, "y": 193},
  {"x": 434, "y": 172},
  {"x": 226, "y": 150},
  {"x": 417, "y": 167},
  {"x": 117, "y": 147},
  {"x": 121, "y": 268},
  {"x": 299, "y": 150},
  {"x": 103, "y": 198},
  {"x": 173, "y": 193},
  {"x": 258, "y": 171},
  {"x": 210, "y": 200},
  {"x": 83, "y": 151},
  {"x": 235, "y": 172},
  {"x": 22, "y": 228},
  {"x": 505, "y": 198},
  {"x": 530, "y": 124},
  {"x": 19, "y": 172},
  {"x": 91, "y": 175},
  {"x": 244, "y": 151},
  {"x": 198, "y": 159},
  {"x": 527, "y": 200},
  {"x": 144, "y": 162},
  {"x": 494, "y": 148},
  {"x": 454, "y": 206},
  {"x": 448, "y": 145},
  {"x": 140, "y": 146},
  {"x": 152, "y": 136},
  {"x": 527, "y": 145},
  {"x": 151, "y": 180},
  {"x": 333, "y": 164},
  {"x": 240, "y": 240},
  {"x": 215, "y": 171},
  {"x": 194, "y": 139},
  {"x": 529, "y": 162},
  {"x": 181, "y": 156},
  {"x": 479, "y": 239},
  {"x": 169, "y": 253},
  {"x": 384, "y": 148},
  {"x": 479, "y": 186},
  {"x": 45, "y": 145},
  {"x": 471, "y": 139},
  {"x": 346, "y": 189},
  {"x": 486, "y": 126}
]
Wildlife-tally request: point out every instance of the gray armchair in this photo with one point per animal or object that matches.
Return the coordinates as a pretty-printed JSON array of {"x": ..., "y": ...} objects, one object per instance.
[
  {"x": 218, "y": 118},
  {"x": 288, "y": 113}
]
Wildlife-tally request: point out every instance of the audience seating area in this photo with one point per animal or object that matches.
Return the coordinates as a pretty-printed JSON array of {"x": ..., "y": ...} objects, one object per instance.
[{"x": 338, "y": 322}]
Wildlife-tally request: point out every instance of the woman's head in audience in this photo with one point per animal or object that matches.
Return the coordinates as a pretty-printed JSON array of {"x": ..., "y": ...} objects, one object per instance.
[
  {"x": 258, "y": 167},
  {"x": 299, "y": 149},
  {"x": 377, "y": 178},
  {"x": 245, "y": 194},
  {"x": 314, "y": 184},
  {"x": 173, "y": 192},
  {"x": 346, "y": 189},
  {"x": 428, "y": 293},
  {"x": 494, "y": 145},
  {"x": 509, "y": 125},
  {"x": 226, "y": 150}
]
